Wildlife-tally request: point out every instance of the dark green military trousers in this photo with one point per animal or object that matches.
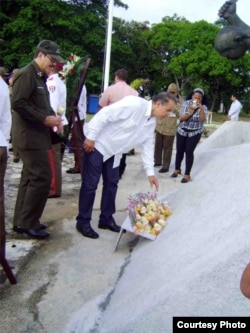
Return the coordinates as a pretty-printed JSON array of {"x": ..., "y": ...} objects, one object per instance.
[{"x": 33, "y": 189}]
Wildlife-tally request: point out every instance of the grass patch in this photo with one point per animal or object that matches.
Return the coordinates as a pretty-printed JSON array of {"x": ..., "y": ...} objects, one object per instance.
[
  {"x": 89, "y": 116},
  {"x": 220, "y": 118}
]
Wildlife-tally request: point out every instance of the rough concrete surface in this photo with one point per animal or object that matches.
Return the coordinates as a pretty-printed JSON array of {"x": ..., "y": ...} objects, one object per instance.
[{"x": 69, "y": 283}]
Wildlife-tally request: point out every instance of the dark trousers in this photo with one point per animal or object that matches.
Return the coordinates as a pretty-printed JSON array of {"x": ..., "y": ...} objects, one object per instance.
[
  {"x": 94, "y": 167},
  {"x": 33, "y": 189},
  {"x": 186, "y": 145},
  {"x": 122, "y": 165},
  {"x": 163, "y": 149},
  {"x": 3, "y": 164}
]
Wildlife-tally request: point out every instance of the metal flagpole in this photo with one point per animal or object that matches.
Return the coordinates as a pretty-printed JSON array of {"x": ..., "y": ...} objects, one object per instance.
[{"x": 108, "y": 44}]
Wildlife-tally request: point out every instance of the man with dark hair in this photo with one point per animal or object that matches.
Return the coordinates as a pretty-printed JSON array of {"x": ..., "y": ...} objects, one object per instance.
[
  {"x": 235, "y": 108},
  {"x": 116, "y": 129},
  {"x": 118, "y": 90},
  {"x": 33, "y": 120}
]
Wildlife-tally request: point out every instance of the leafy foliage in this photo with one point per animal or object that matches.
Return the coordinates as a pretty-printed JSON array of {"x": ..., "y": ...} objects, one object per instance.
[{"x": 174, "y": 50}]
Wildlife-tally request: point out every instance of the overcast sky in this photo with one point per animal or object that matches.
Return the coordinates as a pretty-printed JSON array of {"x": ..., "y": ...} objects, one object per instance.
[{"x": 193, "y": 10}]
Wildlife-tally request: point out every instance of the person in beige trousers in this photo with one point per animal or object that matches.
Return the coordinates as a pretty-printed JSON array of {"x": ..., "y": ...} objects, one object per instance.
[{"x": 165, "y": 133}]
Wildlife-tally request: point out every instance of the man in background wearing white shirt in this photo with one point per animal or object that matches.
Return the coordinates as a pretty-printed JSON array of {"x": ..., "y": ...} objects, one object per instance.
[
  {"x": 116, "y": 129},
  {"x": 76, "y": 140},
  {"x": 5, "y": 125},
  {"x": 57, "y": 95},
  {"x": 235, "y": 108}
]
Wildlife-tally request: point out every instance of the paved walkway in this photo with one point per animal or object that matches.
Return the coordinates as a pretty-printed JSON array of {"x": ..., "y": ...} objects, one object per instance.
[{"x": 69, "y": 283}]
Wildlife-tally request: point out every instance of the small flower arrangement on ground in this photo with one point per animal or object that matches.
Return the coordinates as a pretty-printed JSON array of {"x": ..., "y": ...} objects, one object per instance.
[{"x": 147, "y": 213}]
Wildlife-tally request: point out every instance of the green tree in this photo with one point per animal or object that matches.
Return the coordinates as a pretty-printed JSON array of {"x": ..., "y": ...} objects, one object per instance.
[
  {"x": 174, "y": 50},
  {"x": 130, "y": 48},
  {"x": 185, "y": 54},
  {"x": 78, "y": 26}
]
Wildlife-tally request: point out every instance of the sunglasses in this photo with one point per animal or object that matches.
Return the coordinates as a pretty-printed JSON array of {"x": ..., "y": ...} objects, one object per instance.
[{"x": 51, "y": 59}]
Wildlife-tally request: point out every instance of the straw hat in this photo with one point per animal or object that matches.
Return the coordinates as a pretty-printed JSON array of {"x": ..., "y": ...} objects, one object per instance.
[{"x": 173, "y": 88}]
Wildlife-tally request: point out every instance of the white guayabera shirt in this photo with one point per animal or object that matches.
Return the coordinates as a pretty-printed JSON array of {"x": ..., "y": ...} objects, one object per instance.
[
  {"x": 121, "y": 126},
  {"x": 5, "y": 114},
  {"x": 234, "y": 110}
]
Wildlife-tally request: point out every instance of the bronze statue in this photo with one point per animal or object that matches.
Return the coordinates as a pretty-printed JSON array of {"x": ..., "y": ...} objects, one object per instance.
[{"x": 234, "y": 40}]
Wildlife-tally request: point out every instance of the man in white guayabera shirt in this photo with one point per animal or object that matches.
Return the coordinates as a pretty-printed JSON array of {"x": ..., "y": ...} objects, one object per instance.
[
  {"x": 116, "y": 129},
  {"x": 5, "y": 125},
  {"x": 235, "y": 108}
]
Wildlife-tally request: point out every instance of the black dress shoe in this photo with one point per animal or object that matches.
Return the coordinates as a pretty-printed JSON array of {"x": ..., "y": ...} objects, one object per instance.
[
  {"x": 156, "y": 165},
  {"x": 18, "y": 229},
  {"x": 73, "y": 170},
  {"x": 22, "y": 230},
  {"x": 163, "y": 170},
  {"x": 42, "y": 226},
  {"x": 87, "y": 231},
  {"x": 38, "y": 234},
  {"x": 111, "y": 226}
]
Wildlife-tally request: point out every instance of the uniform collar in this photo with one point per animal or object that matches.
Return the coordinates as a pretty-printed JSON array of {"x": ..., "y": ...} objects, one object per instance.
[{"x": 37, "y": 69}]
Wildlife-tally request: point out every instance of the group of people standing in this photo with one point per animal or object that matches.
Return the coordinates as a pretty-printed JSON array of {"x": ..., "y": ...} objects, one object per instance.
[
  {"x": 116, "y": 129},
  {"x": 186, "y": 124},
  {"x": 124, "y": 120}
]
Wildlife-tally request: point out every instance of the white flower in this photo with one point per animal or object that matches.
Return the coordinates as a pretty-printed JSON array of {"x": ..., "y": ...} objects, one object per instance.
[
  {"x": 68, "y": 68},
  {"x": 162, "y": 222},
  {"x": 138, "y": 217},
  {"x": 60, "y": 110},
  {"x": 144, "y": 221},
  {"x": 157, "y": 227}
]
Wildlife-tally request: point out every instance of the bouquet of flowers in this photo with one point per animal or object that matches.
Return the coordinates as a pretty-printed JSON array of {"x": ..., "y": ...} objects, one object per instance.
[
  {"x": 71, "y": 73},
  {"x": 69, "y": 67},
  {"x": 147, "y": 214}
]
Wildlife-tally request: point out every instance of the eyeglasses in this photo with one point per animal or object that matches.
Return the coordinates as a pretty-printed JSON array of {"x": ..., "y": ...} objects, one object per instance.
[{"x": 50, "y": 58}]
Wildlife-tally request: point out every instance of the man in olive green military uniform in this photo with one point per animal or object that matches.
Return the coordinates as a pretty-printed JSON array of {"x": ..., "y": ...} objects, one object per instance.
[
  {"x": 33, "y": 120},
  {"x": 165, "y": 133}
]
